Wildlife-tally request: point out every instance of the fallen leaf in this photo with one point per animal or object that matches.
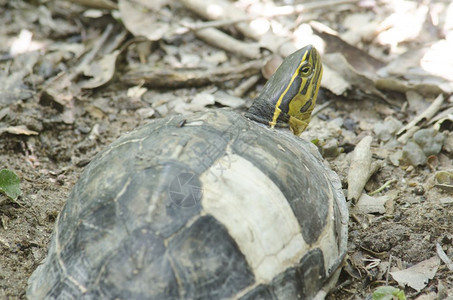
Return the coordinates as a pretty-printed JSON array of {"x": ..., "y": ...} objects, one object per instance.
[
  {"x": 18, "y": 130},
  {"x": 200, "y": 101},
  {"x": 369, "y": 205},
  {"x": 228, "y": 100},
  {"x": 334, "y": 82},
  {"x": 144, "y": 18},
  {"x": 101, "y": 71},
  {"x": 136, "y": 92},
  {"x": 417, "y": 276},
  {"x": 405, "y": 24},
  {"x": 12, "y": 88},
  {"x": 10, "y": 184}
]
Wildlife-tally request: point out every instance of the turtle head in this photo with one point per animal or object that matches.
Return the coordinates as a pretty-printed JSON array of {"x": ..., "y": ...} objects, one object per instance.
[{"x": 289, "y": 96}]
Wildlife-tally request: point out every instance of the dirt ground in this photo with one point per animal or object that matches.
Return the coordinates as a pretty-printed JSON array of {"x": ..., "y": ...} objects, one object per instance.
[{"x": 56, "y": 114}]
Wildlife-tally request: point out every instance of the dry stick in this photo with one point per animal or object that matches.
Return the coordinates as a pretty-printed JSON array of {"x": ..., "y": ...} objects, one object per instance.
[
  {"x": 222, "y": 40},
  {"x": 233, "y": 14},
  {"x": 212, "y": 24},
  {"x": 85, "y": 61},
  {"x": 360, "y": 168},
  {"x": 280, "y": 11},
  {"x": 388, "y": 270},
  {"x": 176, "y": 78},
  {"x": 226, "y": 11},
  {"x": 246, "y": 85},
  {"x": 321, "y": 107},
  {"x": 207, "y": 32},
  {"x": 386, "y": 184},
  {"x": 102, "y": 4},
  {"x": 92, "y": 54},
  {"x": 407, "y": 131},
  {"x": 63, "y": 78},
  {"x": 299, "y": 8},
  {"x": 443, "y": 256}
]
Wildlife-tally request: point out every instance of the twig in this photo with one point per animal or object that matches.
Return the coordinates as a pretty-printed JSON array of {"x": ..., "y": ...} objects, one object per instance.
[
  {"x": 177, "y": 78},
  {"x": 407, "y": 131},
  {"x": 246, "y": 85},
  {"x": 88, "y": 58},
  {"x": 222, "y": 40},
  {"x": 213, "y": 24},
  {"x": 443, "y": 256},
  {"x": 319, "y": 108},
  {"x": 359, "y": 170},
  {"x": 225, "y": 11},
  {"x": 85, "y": 61},
  {"x": 299, "y": 8},
  {"x": 238, "y": 16},
  {"x": 388, "y": 270},
  {"x": 380, "y": 189}
]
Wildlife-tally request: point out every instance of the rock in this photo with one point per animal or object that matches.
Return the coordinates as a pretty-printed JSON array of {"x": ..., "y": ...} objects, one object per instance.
[
  {"x": 448, "y": 143},
  {"x": 429, "y": 140},
  {"x": 413, "y": 154},
  {"x": 330, "y": 148},
  {"x": 387, "y": 129},
  {"x": 396, "y": 157}
]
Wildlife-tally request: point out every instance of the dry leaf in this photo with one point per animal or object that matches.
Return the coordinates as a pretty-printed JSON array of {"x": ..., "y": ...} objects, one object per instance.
[
  {"x": 12, "y": 88},
  {"x": 144, "y": 18},
  {"x": 228, "y": 100},
  {"x": 369, "y": 205},
  {"x": 18, "y": 130},
  {"x": 136, "y": 92},
  {"x": 200, "y": 101},
  {"x": 101, "y": 71},
  {"x": 334, "y": 82},
  {"x": 405, "y": 24},
  {"x": 417, "y": 276}
]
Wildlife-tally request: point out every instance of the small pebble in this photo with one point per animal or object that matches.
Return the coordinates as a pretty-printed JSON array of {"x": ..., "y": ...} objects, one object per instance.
[
  {"x": 448, "y": 143},
  {"x": 387, "y": 129},
  {"x": 338, "y": 122},
  {"x": 419, "y": 190},
  {"x": 331, "y": 149},
  {"x": 350, "y": 124},
  {"x": 429, "y": 140},
  {"x": 413, "y": 154}
]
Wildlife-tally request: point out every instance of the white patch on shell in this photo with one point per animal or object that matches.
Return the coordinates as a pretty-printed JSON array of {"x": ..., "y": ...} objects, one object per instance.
[
  {"x": 327, "y": 239},
  {"x": 257, "y": 216}
]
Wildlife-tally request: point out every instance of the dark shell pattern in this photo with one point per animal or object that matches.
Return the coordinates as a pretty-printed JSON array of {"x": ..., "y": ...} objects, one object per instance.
[{"x": 211, "y": 208}]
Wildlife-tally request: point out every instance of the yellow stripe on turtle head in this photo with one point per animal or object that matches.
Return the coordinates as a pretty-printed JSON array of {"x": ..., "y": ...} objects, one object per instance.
[
  {"x": 288, "y": 98},
  {"x": 285, "y": 92},
  {"x": 301, "y": 74}
]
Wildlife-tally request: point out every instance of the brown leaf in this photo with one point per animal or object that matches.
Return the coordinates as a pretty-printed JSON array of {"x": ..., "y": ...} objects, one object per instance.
[
  {"x": 143, "y": 18},
  {"x": 101, "y": 71}
]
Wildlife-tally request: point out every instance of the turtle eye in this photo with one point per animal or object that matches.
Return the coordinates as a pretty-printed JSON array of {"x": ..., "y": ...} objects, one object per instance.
[{"x": 305, "y": 70}]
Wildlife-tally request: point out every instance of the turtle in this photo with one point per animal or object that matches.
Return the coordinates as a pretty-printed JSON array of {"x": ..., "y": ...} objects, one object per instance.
[{"x": 210, "y": 205}]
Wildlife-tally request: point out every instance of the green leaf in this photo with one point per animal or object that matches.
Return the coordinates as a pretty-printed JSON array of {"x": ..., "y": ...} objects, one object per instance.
[
  {"x": 9, "y": 184},
  {"x": 388, "y": 293}
]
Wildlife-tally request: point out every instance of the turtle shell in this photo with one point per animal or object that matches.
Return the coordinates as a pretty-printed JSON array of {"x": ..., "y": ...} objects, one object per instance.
[{"x": 205, "y": 206}]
